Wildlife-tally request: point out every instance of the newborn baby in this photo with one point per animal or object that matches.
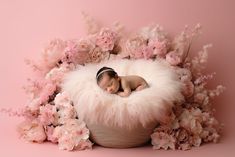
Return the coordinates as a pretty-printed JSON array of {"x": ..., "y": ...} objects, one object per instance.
[{"x": 109, "y": 81}]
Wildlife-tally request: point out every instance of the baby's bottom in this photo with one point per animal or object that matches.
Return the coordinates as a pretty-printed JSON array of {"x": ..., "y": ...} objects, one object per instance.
[{"x": 142, "y": 86}]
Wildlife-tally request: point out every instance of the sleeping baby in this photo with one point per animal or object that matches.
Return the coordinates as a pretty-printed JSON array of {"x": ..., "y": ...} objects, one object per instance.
[{"x": 109, "y": 81}]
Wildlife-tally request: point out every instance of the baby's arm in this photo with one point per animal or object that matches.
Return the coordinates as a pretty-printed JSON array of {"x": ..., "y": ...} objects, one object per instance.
[{"x": 126, "y": 89}]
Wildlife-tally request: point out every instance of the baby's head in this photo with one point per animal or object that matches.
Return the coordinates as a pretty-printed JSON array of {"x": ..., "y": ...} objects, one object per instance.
[{"x": 108, "y": 80}]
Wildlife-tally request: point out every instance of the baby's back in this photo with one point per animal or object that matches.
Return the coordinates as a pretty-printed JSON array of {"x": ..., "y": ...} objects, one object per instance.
[{"x": 134, "y": 81}]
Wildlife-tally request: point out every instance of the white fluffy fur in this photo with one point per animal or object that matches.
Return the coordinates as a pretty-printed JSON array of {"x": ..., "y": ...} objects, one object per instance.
[{"x": 95, "y": 106}]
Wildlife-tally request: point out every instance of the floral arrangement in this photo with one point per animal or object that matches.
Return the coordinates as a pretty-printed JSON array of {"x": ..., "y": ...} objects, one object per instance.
[{"x": 50, "y": 115}]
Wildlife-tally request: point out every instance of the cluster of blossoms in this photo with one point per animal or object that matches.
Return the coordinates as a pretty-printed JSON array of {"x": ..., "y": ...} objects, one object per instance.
[
  {"x": 51, "y": 116},
  {"x": 192, "y": 121}
]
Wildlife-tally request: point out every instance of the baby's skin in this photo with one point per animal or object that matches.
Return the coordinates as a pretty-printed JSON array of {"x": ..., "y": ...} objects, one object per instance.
[
  {"x": 108, "y": 80},
  {"x": 122, "y": 85}
]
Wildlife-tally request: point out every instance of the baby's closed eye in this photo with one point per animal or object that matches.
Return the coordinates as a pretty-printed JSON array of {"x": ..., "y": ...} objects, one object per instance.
[{"x": 110, "y": 84}]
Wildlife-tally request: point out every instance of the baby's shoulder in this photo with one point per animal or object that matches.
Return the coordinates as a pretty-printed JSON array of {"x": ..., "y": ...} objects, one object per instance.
[{"x": 132, "y": 78}]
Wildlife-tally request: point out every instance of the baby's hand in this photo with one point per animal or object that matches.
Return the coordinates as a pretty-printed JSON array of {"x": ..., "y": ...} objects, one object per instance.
[{"x": 123, "y": 94}]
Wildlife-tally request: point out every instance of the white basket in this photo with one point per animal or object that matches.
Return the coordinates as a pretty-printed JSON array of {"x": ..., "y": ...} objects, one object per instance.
[{"x": 116, "y": 137}]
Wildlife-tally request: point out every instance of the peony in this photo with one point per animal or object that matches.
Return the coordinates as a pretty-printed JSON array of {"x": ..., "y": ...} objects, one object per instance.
[
  {"x": 56, "y": 74},
  {"x": 188, "y": 89},
  {"x": 173, "y": 58},
  {"x": 160, "y": 47},
  {"x": 199, "y": 98},
  {"x": 145, "y": 52},
  {"x": 49, "y": 132},
  {"x": 163, "y": 140},
  {"x": 148, "y": 52},
  {"x": 65, "y": 108},
  {"x": 191, "y": 121},
  {"x": 184, "y": 74},
  {"x": 65, "y": 114},
  {"x": 71, "y": 134},
  {"x": 106, "y": 39},
  {"x": 195, "y": 140},
  {"x": 134, "y": 46},
  {"x": 62, "y": 100},
  {"x": 47, "y": 91},
  {"x": 182, "y": 135},
  {"x": 84, "y": 144},
  {"x": 86, "y": 44},
  {"x": 75, "y": 53},
  {"x": 47, "y": 114},
  {"x": 53, "y": 52},
  {"x": 97, "y": 55},
  {"x": 32, "y": 131}
]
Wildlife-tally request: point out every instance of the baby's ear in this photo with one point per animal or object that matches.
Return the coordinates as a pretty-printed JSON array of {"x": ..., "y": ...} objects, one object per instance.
[{"x": 117, "y": 77}]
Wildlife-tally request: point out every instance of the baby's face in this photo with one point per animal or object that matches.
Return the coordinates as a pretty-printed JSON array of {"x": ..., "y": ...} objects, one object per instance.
[{"x": 111, "y": 85}]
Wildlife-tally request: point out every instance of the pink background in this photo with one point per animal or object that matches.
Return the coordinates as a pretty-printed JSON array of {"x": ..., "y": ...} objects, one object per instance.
[{"x": 27, "y": 25}]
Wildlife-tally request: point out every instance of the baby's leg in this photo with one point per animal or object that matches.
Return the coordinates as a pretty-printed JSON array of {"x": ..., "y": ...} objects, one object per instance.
[{"x": 142, "y": 86}]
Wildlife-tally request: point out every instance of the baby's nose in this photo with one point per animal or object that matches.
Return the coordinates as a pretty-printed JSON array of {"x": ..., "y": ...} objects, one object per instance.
[{"x": 110, "y": 90}]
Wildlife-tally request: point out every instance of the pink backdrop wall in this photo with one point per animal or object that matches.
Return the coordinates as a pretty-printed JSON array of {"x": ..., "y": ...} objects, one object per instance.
[{"x": 26, "y": 25}]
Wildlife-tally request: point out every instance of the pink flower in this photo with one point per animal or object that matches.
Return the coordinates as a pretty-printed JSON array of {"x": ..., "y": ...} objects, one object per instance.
[
  {"x": 137, "y": 54},
  {"x": 195, "y": 140},
  {"x": 135, "y": 45},
  {"x": 74, "y": 54},
  {"x": 86, "y": 45},
  {"x": 47, "y": 114},
  {"x": 145, "y": 52},
  {"x": 184, "y": 74},
  {"x": 66, "y": 113},
  {"x": 199, "y": 97},
  {"x": 84, "y": 144},
  {"x": 49, "y": 132},
  {"x": 53, "y": 52},
  {"x": 191, "y": 121},
  {"x": 160, "y": 47},
  {"x": 106, "y": 39},
  {"x": 32, "y": 131},
  {"x": 97, "y": 55},
  {"x": 65, "y": 109},
  {"x": 57, "y": 74},
  {"x": 148, "y": 52},
  {"x": 163, "y": 140},
  {"x": 62, "y": 100},
  {"x": 173, "y": 58},
  {"x": 47, "y": 91},
  {"x": 184, "y": 146},
  {"x": 188, "y": 89},
  {"x": 182, "y": 135},
  {"x": 71, "y": 134}
]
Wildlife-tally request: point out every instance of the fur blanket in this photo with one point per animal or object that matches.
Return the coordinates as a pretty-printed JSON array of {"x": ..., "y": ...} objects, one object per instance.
[{"x": 95, "y": 106}]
